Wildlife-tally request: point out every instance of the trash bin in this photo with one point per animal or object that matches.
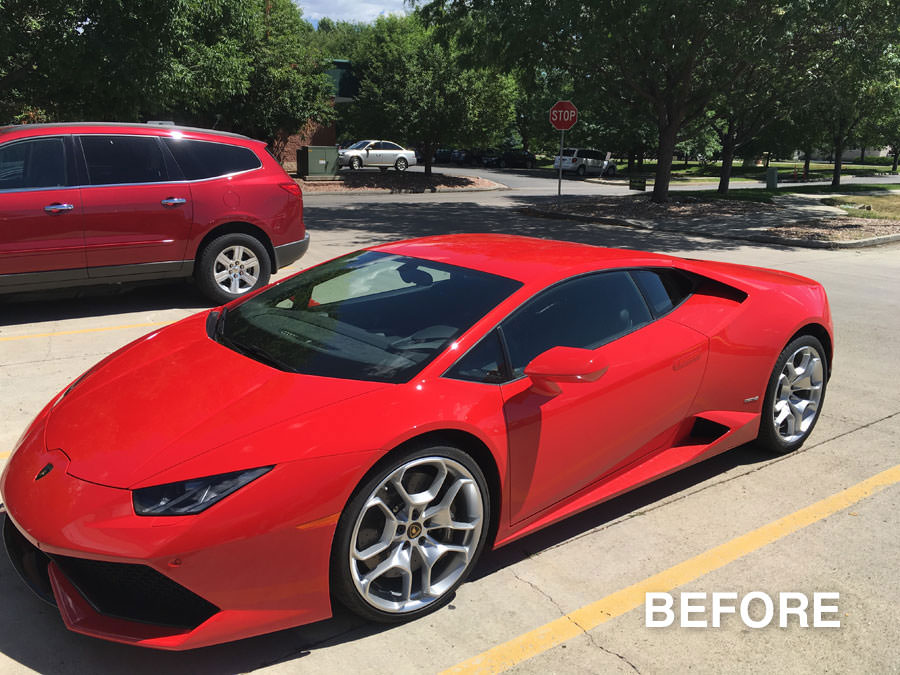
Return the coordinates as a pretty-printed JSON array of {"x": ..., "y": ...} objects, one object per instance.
[
  {"x": 771, "y": 178},
  {"x": 317, "y": 162}
]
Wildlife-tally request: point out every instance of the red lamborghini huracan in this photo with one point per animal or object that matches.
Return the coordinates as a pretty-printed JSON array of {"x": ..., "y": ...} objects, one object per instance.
[{"x": 361, "y": 431}]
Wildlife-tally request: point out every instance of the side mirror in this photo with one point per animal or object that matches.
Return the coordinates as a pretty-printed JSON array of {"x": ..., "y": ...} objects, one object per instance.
[{"x": 563, "y": 364}]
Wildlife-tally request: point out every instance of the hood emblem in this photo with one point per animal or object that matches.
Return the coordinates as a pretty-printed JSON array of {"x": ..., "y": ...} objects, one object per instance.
[{"x": 43, "y": 472}]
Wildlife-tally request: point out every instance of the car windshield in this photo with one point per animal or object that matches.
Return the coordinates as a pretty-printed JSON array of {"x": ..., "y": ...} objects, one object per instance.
[
  {"x": 365, "y": 316},
  {"x": 359, "y": 145}
]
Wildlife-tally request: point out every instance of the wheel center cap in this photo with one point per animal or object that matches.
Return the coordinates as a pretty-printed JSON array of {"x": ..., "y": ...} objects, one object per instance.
[{"x": 414, "y": 530}]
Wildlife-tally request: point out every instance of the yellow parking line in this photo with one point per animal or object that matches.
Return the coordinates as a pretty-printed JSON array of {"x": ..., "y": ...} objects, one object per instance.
[
  {"x": 148, "y": 324},
  {"x": 539, "y": 640}
]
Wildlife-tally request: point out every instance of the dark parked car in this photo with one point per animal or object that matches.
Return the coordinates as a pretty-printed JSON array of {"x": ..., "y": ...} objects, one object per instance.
[
  {"x": 100, "y": 203},
  {"x": 442, "y": 155},
  {"x": 518, "y": 158}
]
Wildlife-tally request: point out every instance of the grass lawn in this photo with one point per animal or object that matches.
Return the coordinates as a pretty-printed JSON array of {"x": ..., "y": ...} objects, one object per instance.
[{"x": 885, "y": 206}]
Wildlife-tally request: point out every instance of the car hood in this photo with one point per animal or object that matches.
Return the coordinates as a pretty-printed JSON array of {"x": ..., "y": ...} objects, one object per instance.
[{"x": 173, "y": 395}]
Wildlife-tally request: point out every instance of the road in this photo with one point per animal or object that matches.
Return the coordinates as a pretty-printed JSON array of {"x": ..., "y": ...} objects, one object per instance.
[{"x": 851, "y": 549}]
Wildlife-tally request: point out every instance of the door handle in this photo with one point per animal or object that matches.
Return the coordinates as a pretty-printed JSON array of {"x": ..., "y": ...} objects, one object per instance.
[
  {"x": 173, "y": 201},
  {"x": 58, "y": 208}
]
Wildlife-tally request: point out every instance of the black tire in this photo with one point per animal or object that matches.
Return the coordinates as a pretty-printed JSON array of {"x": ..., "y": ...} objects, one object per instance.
[
  {"x": 209, "y": 264},
  {"x": 425, "y": 457},
  {"x": 581, "y": 170},
  {"x": 777, "y": 438},
  {"x": 355, "y": 163},
  {"x": 401, "y": 164}
]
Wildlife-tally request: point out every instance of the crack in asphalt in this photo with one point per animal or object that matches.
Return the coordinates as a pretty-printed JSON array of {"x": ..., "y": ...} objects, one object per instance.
[
  {"x": 723, "y": 481},
  {"x": 566, "y": 616}
]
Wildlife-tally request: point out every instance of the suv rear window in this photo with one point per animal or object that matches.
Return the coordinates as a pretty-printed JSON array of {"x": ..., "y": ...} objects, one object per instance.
[
  {"x": 114, "y": 160},
  {"x": 208, "y": 159}
]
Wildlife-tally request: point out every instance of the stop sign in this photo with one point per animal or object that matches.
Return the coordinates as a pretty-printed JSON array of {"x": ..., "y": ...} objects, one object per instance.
[{"x": 563, "y": 115}]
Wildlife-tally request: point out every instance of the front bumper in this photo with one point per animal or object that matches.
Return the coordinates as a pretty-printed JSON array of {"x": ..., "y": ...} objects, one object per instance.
[{"x": 247, "y": 566}]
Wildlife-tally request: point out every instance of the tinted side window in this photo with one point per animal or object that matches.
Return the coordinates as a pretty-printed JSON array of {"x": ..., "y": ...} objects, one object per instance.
[
  {"x": 391, "y": 146},
  {"x": 123, "y": 159},
  {"x": 36, "y": 163},
  {"x": 484, "y": 363},
  {"x": 664, "y": 289},
  {"x": 205, "y": 159},
  {"x": 585, "y": 312}
]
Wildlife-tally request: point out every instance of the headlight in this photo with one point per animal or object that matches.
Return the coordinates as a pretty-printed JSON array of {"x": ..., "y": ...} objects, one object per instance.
[{"x": 191, "y": 496}]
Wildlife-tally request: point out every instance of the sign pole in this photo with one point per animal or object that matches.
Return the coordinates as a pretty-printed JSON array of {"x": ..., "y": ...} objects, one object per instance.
[{"x": 562, "y": 135}]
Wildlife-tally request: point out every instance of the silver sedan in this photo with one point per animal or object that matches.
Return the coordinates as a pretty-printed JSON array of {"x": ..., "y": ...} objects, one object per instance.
[{"x": 383, "y": 154}]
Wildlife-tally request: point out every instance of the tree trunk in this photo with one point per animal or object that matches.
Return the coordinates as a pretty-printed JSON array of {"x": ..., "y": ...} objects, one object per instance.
[
  {"x": 631, "y": 157},
  {"x": 640, "y": 166},
  {"x": 862, "y": 155},
  {"x": 667, "y": 136},
  {"x": 838, "y": 155},
  {"x": 896, "y": 156},
  {"x": 766, "y": 164},
  {"x": 806, "y": 159},
  {"x": 727, "y": 162}
]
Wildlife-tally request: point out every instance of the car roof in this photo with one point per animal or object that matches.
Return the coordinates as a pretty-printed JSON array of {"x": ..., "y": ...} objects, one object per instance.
[
  {"x": 526, "y": 259},
  {"x": 22, "y": 130}
]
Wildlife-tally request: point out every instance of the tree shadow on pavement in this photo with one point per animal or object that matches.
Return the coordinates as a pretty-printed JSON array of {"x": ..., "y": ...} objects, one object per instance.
[{"x": 381, "y": 222}]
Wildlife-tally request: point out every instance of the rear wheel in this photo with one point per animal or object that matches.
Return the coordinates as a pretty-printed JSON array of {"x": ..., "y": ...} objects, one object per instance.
[
  {"x": 411, "y": 534},
  {"x": 232, "y": 265},
  {"x": 794, "y": 396},
  {"x": 401, "y": 164},
  {"x": 581, "y": 170}
]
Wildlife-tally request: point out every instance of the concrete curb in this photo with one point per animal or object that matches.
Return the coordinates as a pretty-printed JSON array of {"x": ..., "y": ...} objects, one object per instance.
[{"x": 758, "y": 238}]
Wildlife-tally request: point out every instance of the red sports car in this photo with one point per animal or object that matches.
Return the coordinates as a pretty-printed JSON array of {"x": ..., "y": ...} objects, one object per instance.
[{"x": 364, "y": 429}]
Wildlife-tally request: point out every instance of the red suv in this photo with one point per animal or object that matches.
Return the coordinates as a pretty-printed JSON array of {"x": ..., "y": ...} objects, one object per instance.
[{"x": 100, "y": 203}]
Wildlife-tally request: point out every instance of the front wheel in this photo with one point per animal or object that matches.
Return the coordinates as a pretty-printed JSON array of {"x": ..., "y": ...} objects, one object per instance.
[
  {"x": 230, "y": 266},
  {"x": 794, "y": 396},
  {"x": 355, "y": 163},
  {"x": 401, "y": 164},
  {"x": 410, "y": 535}
]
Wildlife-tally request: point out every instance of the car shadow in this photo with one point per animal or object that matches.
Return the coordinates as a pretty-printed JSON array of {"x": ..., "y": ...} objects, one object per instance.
[
  {"x": 89, "y": 301},
  {"x": 33, "y": 635}
]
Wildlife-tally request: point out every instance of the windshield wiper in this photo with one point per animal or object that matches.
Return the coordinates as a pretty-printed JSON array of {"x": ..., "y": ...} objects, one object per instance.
[{"x": 258, "y": 354}]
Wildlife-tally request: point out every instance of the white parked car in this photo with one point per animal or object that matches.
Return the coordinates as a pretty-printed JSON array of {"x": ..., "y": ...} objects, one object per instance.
[
  {"x": 383, "y": 154},
  {"x": 583, "y": 161}
]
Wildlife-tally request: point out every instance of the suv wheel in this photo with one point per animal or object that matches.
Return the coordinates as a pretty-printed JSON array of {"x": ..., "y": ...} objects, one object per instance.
[
  {"x": 581, "y": 170},
  {"x": 232, "y": 265}
]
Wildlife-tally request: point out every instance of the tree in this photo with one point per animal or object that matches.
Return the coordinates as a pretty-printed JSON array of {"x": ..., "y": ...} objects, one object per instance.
[
  {"x": 674, "y": 55},
  {"x": 417, "y": 90}
]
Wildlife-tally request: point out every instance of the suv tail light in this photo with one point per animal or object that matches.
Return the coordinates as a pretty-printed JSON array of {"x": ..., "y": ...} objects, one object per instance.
[
  {"x": 574, "y": 159},
  {"x": 291, "y": 187}
]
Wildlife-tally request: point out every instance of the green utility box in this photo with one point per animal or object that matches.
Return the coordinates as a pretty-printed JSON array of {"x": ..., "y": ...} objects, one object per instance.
[
  {"x": 317, "y": 162},
  {"x": 772, "y": 178}
]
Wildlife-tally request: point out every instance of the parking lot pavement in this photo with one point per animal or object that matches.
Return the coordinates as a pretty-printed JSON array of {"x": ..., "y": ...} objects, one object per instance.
[{"x": 45, "y": 343}]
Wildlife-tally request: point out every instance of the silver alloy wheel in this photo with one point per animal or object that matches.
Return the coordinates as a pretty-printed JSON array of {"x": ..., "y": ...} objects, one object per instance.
[
  {"x": 416, "y": 534},
  {"x": 236, "y": 269},
  {"x": 798, "y": 394}
]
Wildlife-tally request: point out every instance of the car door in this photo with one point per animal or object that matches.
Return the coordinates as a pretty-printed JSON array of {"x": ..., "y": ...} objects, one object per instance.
[
  {"x": 391, "y": 151},
  {"x": 378, "y": 154},
  {"x": 40, "y": 212},
  {"x": 134, "y": 214},
  {"x": 563, "y": 443}
]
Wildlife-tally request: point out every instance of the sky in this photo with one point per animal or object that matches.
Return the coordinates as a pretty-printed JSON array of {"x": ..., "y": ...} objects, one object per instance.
[{"x": 349, "y": 10}]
